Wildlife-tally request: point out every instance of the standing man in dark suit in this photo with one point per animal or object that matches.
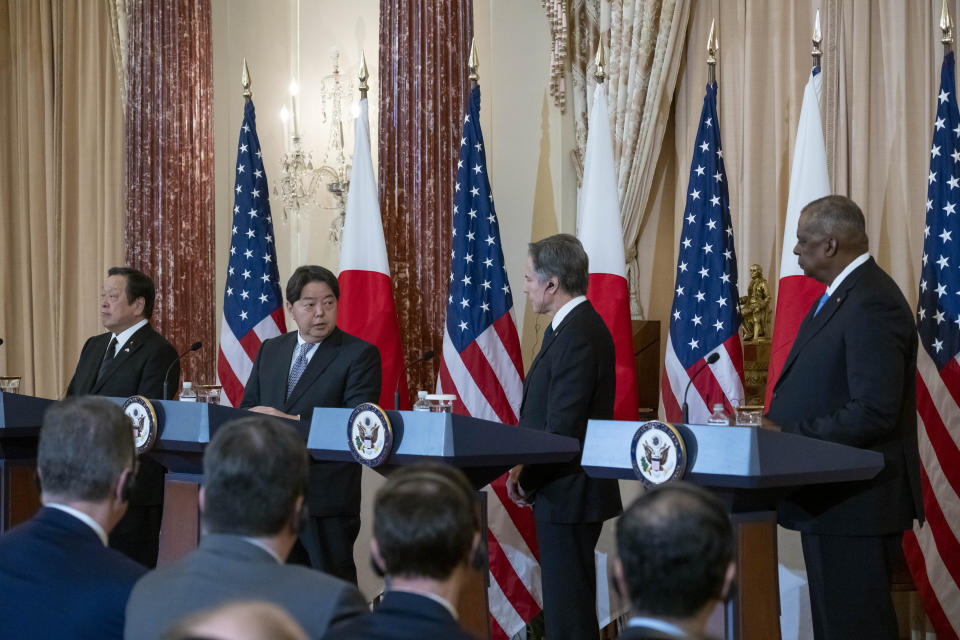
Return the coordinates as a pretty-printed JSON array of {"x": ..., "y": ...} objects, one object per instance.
[
  {"x": 426, "y": 536},
  {"x": 255, "y": 474},
  {"x": 130, "y": 359},
  {"x": 319, "y": 366},
  {"x": 571, "y": 380},
  {"x": 849, "y": 378},
  {"x": 58, "y": 579}
]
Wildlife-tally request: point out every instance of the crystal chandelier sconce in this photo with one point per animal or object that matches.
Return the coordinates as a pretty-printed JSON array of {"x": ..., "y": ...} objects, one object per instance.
[
  {"x": 334, "y": 170},
  {"x": 298, "y": 179}
]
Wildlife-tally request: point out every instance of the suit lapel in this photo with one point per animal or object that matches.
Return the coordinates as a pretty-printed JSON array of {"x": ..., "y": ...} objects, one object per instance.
[
  {"x": 90, "y": 364},
  {"x": 326, "y": 353},
  {"x": 814, "y": 323},
  {"x": 130, "y": 347}
]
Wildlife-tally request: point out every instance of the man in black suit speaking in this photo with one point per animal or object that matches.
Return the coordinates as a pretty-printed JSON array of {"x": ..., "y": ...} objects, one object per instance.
[
  {"x": 130, "y": 359},
  {"x": 319, "y": 366},
  {"x": 571, "y": 380},
  {"x": 849, "y": 378}
]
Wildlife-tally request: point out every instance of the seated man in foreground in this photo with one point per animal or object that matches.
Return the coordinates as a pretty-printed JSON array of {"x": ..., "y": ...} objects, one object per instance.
[
  {"x": 426, "y": 537},
  {"x": 676, "y": 562},
  {"x": 58, "y": 578},
  {"x": 252, "y": 506}
]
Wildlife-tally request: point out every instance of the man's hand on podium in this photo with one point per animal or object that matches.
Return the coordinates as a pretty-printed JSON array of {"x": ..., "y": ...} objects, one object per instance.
[{"x": 270, "y": 411}]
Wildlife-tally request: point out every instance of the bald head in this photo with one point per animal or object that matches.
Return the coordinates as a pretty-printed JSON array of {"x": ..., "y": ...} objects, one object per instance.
[{"x": 831, "y": 233}]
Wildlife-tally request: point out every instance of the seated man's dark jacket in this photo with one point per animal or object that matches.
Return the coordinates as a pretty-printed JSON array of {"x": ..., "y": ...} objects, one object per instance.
[
  {"x": 403, "y": 616},
  {"x": 57, "y": 580}
]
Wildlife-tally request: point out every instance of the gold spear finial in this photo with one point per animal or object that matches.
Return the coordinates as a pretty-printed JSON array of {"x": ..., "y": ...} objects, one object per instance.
[
  {"x": 474, "y": 62},
  {"x": 363, "y": 75},
  {"x": 946, "y": 25},
  {"x": 598, "y": 61},
  {"x": 245, "y": 81},
  {"x": 817, "y": 40},
  {"x": 713, "y": 48}
]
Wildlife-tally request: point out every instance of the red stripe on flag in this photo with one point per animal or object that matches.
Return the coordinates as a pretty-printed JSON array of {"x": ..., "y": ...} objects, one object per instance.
[
  {"x": 947, "y": 546},
  {"x": 280, "y": 319},
  {"x": 671, "y": 408},
  {"x": 228, "y": 380},
  {"x": 446, "y": 383},
  {"x": 496, "y": 631},
  {"x": 483, "y": 374},
  {"x": 522, "y": 518},
  {"x": 951, "y": 378},
  {"x": 510, "y": 583},
  {"x": 709, "y": 388},
  {"x": 931, "y": 604},
  {"x": 735, "y": 353},
  {"x": 609, "y": 295},
  {"x": 510, "y": 339},
  {"x": 795, "y": 296},
  {"x": 251, "y": 344},
  {"x": 943, "y": 444}
]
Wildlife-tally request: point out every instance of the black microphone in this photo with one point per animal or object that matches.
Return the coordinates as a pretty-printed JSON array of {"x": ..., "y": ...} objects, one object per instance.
[
  {"x": 426, "y": 355},
  {"x": 685, "y": 410},
  {"x": 1, "y": 340},
  {"x": 194, "y": 347}
]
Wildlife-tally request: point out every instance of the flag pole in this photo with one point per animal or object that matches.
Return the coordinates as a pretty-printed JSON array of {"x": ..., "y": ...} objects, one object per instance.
[
  {"x": 817, "y": 53},
  {"x": 245, "y": 82},
  {"x": 946, "y": 27},
  {"x": 473, "y": 64},
  {"x": 599, "y": 61},
  {"x": 713, "y": 48},
  {"x": 363, "y": 76}
]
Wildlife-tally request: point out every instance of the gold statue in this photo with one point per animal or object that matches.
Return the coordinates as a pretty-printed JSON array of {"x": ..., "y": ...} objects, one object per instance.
[{"x": 755, "y": 307}]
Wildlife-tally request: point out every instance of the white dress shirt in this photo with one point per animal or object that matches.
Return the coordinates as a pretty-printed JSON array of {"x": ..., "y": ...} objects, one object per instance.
[{"x": 82, "y": 517}]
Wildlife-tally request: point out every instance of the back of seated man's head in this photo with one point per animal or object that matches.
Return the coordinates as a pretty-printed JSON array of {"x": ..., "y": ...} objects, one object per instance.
[
  {"x": 86, "y": 445},
  {"x": 425, "y": 522},
  {"x": 676, "y": 550},
  {"x": 254, "y": 620},
  {"x": 254, "y": 475}
]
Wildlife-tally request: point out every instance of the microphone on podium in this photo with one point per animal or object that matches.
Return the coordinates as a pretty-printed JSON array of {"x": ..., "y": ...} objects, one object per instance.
[
  {"x": 426, "y": 355},
  {"x": 194, "y": 347},
  {"x": 1, "y": 340},
  {"x": 685, "y": 410}
]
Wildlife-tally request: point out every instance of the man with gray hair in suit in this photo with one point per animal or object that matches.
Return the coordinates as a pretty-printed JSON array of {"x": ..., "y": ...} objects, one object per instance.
[{"x": 253, "y": 505}]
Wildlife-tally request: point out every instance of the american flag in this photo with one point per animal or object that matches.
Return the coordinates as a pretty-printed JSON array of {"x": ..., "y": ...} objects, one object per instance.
[
  {"x": 705, "y": 317},
  {"x": 482, "y": 364},
  {"x": 252, "y": 303},
  {"x": 933, "y": 550}
]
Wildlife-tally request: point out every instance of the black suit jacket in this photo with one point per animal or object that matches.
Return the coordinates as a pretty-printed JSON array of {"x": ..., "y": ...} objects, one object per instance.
[
  {"x": 647, "y": 633},
  {"x": 571, "y": 380},
  {"x": 57, "y": 580},
  {"x": 343, "y": 372},
  {"x": 402, "y": 616},
  {"x": 849, "y": 378},
  {"x": 137, "y": 369}
]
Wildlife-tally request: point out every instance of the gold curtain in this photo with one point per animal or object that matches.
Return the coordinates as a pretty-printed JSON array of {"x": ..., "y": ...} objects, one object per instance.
[
  {"x": 61, "y": 186},
  {"x": 644, "y": 46}
]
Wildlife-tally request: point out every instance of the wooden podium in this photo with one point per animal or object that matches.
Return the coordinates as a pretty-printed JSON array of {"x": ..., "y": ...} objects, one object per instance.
[
  {"x": 20, "y": 419},
  {"x": 749, "y": 468}
]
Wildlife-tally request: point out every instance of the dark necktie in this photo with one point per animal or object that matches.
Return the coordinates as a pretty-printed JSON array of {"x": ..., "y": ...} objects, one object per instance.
[
  {"x": 547, "y": 337},
  {"x": 108, "y": 357}
]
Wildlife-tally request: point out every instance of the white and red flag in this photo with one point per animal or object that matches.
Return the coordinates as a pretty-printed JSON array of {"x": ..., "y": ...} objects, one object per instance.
[
  {"x": 796, "y": 292},
  {"x": 602, "y": 237},
  {"x": 366, "y": 308}
]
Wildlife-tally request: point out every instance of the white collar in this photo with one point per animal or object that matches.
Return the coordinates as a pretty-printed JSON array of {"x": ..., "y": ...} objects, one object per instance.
[
  {"x": 564, "y": 310},
  {"x": 438, "y": 599},
  {"x": 657, "y": 625},
  {"x": 125, "y": 335},
  {"x": 82, "y": 517},
  {"x": 301, "y": 341},
  {"x": 859, "y": 260},
  {"x": 263, "y": 545}
]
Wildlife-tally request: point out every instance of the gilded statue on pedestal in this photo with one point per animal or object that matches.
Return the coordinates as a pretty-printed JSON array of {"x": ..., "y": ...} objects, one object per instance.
[{"x": 755, "y": 308}]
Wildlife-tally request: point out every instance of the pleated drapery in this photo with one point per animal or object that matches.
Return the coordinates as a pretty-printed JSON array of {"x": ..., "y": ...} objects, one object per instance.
[
  {"x": 424, "y": 46},
  {"x": 170, "y": 170}
]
